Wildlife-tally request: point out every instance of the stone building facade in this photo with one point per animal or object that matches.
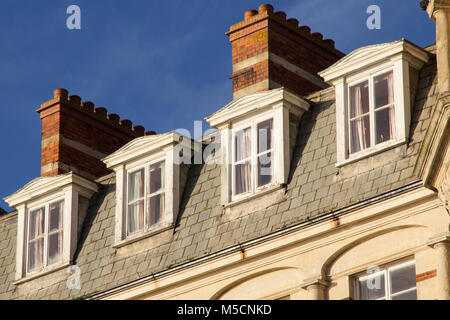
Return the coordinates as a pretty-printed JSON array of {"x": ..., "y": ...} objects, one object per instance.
[{"x": 355, "y": 206}]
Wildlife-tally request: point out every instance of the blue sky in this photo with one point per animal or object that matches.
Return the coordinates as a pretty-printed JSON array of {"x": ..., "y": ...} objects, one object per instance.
[{"x": 161, "y": 64}]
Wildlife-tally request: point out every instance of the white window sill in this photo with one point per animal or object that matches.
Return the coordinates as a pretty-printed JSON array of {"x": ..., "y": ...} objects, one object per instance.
[
  {"x": 158, "y": 228},
  {"x": 257, "y": 194},
  {"x": 371, "y": 152},
  {"x": 38, "y": 274}
]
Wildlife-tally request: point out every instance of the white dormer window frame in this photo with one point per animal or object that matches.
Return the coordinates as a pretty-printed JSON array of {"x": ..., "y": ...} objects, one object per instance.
[
  {"x": 371, "y": 114},
  {"x": 365, "y": 64},
  {"x": 145, "y": 198},
  {"x": 252, "y": 159},
  {"x": 248, "y": 112},
  {"x": 43, "y": 236},
  {"x": 39, "y": 195},
  {"x": 141, "y": 154}
]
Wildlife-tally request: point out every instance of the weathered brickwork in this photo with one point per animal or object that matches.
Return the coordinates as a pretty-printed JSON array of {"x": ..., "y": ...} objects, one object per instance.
[
  {"x": 250, "y": 46},
  {"x": 315, "y": 187},
  {"x": 426, "y": 275},
  {"x": 75, "y": 136},
  {"x": 290, "y": 80},
  {"x": 251, "y": 75},
  {"x": 270, "y": 32}
]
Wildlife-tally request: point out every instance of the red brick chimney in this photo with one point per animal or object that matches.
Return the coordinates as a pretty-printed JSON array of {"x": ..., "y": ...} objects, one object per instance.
[
  {"x": 270, "y": 51},
  {"x": 75, "y": 136}
]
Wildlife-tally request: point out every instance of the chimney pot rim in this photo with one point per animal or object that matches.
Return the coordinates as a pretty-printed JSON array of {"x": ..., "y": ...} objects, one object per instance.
[
  {"x": 305, "y": 28},
  {"x": 126, "y": 123},
  {"x": 292, "y": 21},
  {"x": 75, "y": 98},
  {"x": 60, "y": 92},
  {"x": 281, "y": 14},
  {"x": 265, "y": 8},
  {"x": 317, "y": 35},
  {"x": 101, "y": 110},
  {"x": 250, "y": 13}
]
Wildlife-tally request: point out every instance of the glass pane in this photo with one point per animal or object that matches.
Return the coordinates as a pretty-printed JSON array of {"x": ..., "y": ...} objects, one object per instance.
[
  {"x": 383, "y": 122},
  {"x": 136, "y": 216},
  {"x": 35, "y": 254},
  {"x": 264, "y": 169},
  {"x": 54, "y": 247},
  {"x": 403, "y": 279},
  {"x": 156, "y": 208},
  {"x": 242, "y": 177},
  {"x": 372, "y": 288},
  {"x": 37, "y": 223},
  {"x": 156, "y": 177},
  {"x": 136, "y": 189},
  {"x": 359, "y": 134},
  {"x": 410, "y": 295},
  {"x": 56, "y": 210},
  {"x": 384, "y": 93},
  {"x": 359, "y": 99},
  {"x": 265, "y": 136},
  {"x": 243, "y": 144}
]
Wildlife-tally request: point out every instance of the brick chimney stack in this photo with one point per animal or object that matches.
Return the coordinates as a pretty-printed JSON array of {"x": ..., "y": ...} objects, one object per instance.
[
  {"x": 75, "y": 136},
  {"x": 270, "y": 51}
]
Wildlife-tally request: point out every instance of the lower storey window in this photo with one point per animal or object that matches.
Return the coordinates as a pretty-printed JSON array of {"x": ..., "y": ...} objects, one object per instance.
[
  {"x": 45, "y": 232},
  {"x": 396, "y": 282}
]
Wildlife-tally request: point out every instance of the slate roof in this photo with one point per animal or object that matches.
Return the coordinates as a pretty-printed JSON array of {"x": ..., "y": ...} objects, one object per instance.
[{"x": 315, "y": 187}]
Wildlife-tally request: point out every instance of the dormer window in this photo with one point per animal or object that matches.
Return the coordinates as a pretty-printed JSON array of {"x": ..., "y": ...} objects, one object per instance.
[
  {"x": 374, "y": 89},
  {"x": 371, "y": 112},
  {"x": 252, "y": 157},
  {"x": 45, "y": 230},
  {"x": 150, "y": 176},
  {"x": 257, "y": 134},
  {"x": 145, "y": 197},
  {"x": 51, "y": 211}
]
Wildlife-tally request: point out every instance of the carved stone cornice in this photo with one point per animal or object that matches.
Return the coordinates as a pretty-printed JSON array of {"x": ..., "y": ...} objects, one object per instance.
[
  {"x": 434, "y": 156},
  {"x": 444, "y": 192},
  {"x": 431, "y": 6}
]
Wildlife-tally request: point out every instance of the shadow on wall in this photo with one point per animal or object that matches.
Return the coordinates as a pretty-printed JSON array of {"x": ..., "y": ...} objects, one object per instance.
[
  {"x": 272, "y": 283},
  {"x": 191, "y": 181},
  {"x": 305, "y": 128},
  {"x": 92, "y": 213}
]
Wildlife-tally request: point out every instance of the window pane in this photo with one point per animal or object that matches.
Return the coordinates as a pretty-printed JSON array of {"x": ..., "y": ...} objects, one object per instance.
[
  {"x": 265, "y": 136},
  {"x": 410, "y": 295},
  {"x": 136, "y": 216},
  {"x": 264, "y": 169},
  {"x": 156, "y": 208},
  {"x": 403, "y": 279},
  {"x": 359, "y": 99},
  {"x": 384, "y": 93},
  {"x": 37, "y": 223},
  {"x": 372, "y": 288},
  {"x": 384, "y": 121},
  {"x": 243, "y": 144},
  {"x": 359, "y": 134},
  {"x": 242, "y": 177},
  {"x": 136, "y": 188},
  {"x": 156, "y": 177},
  {"x": 56, "y": 213},
  {"x": 35, "y": 254},
  {"x": 54, "y": 247}
]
